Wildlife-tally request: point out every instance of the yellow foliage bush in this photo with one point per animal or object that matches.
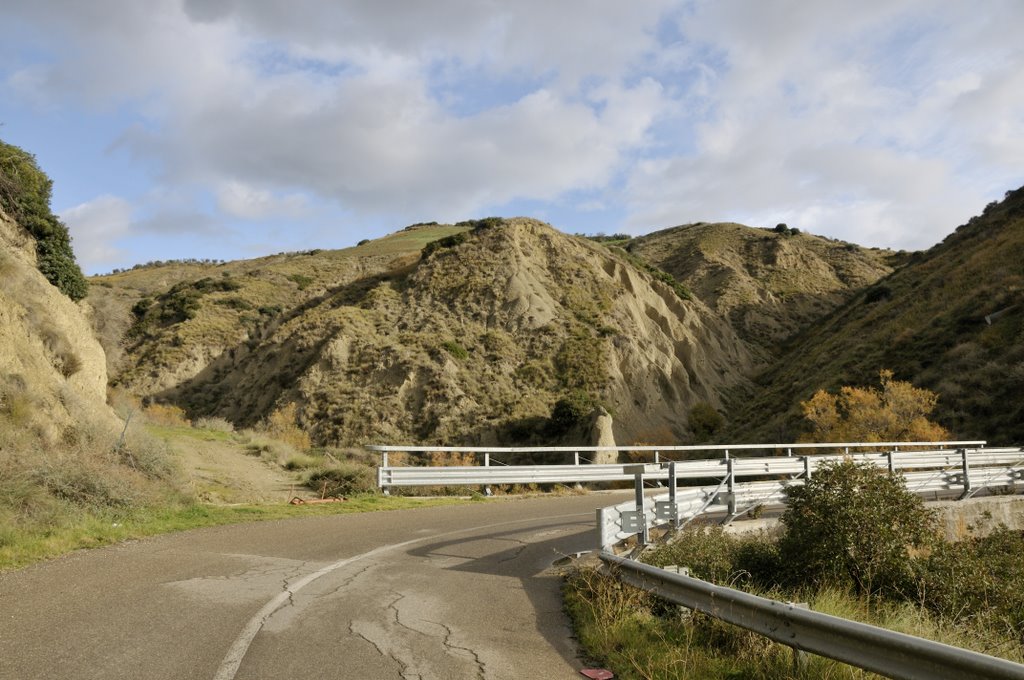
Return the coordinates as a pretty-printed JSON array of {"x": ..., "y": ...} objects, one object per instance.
[
  {"x": 165, "y": 414},
  {"x": 283, "y": 425},
  {"x": 896, "y": 412}
]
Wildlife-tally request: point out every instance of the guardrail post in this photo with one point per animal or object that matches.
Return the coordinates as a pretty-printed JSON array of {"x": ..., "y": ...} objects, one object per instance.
[
  {"x": 487, "y": 460},
  {"x": 672, "y": 493},
  {"x": 731, "y": 488},
  {"x": 638, "y": 481},
  {"x": 602, "y": 522},
  {"x": 967, "y": 474},
  {"x": 380, "y": 473},
  {"x": 799, "y": 655},
  {"x": 892, "y": 470},
  {"x": 576, "y": 458},
  {"x": 807, "y": 467}
]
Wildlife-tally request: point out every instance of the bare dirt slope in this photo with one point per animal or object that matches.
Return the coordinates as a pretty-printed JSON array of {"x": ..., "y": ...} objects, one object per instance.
[
  {"x": 163, "y": 323},
  {"x": 49, "y": 358}
]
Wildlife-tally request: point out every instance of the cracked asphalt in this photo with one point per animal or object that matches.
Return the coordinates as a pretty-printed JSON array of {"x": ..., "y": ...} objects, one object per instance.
[{"x": 445, "y": 592}]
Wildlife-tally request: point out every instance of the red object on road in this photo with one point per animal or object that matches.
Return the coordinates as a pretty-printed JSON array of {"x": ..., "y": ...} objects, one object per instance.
[{"x": 597, "y": 673}]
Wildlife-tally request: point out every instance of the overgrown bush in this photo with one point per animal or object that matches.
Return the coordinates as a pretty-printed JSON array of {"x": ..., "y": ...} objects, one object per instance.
[
  {"x": 301, "y": 280},
  {"x": 896, "y": 412},
  {"x": 446, "y": 242},
  {"x": 283, "y": 425},
  {"x": 25, "y": 192},
  {"x": 570, "y": 411},
  {"x": 718, "y": 557},
  {"x": 976, "y": 578},
  {"x": 853, "y": 525},
  {"x": 877, "y": 294},
  {"x": 343, "y": 479},
  {"x": 455, "y": 349},
  {"x": 704, "y": 422}
]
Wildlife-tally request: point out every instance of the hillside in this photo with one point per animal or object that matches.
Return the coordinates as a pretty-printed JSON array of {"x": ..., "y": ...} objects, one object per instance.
[
  {"x": 173, "y": 319},
  {"x": 63, "y": 451},
  {"x": 769, "y": 284},
  {"x": 473, "y": 342},
  {"x": 951, "y": 320}
]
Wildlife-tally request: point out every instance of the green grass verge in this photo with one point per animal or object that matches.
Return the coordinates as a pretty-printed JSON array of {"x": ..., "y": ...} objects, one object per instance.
[
  {"x": 21, "y": 547},
  {"x": 638, "y": 636}
]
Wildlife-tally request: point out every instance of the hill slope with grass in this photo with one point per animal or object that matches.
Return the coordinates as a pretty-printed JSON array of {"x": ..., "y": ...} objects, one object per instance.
[
  {"x": 63, "y": 451},
  {"x": 950, "y": 320},
  {"x": 163, "y": 322},
  {"x": 770, "y": 284},
  {"x": 473, "y": 339}
]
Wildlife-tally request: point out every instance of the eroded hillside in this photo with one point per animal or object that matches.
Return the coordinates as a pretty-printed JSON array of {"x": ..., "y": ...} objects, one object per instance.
[
  {"x": 769, "y": 284},
  {"x": 473, "y": 342},
  {"x": 162, "y": 325}
]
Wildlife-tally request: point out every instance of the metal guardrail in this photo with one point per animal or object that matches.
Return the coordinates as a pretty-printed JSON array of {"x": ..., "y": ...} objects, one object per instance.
[
  {"x": 939, "y": 474},
  {"x": 893, "y": 654},
  {"x": 493, "y": 471}
]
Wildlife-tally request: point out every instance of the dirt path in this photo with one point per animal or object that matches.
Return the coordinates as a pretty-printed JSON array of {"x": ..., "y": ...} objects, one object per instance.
[{"x": 220, "y": 470}]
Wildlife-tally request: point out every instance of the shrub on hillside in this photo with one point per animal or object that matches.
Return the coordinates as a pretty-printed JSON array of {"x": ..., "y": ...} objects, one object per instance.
[
  {"x": 897, "y": 412},
  {"x": 25, "y": 195},
  {"x": 581, "y": 362},
  {"x": 455, "y": 349},
  {"x": 877, "y": 294},
  {"x": 283, "y": 425},
  {"x": 704, "y": 422},
  {"x": 570, "y": 411},
  {"x": 446, "y": 242}
]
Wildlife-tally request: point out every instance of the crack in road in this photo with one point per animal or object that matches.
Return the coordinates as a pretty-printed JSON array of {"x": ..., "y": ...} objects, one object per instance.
[
  {"x": 480, "y": 666},
  {"x": 380, "y": 650},
  {"x": 347, "y": 582},
  {"x": 523, "y": 545}
]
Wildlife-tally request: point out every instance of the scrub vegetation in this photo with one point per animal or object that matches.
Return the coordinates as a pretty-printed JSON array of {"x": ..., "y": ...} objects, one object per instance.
[
  {"x": 25, "y": 196},
  {"x": 856, "y": 544}
]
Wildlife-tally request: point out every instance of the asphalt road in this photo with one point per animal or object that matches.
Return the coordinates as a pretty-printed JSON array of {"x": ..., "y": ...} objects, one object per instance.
[{"x": 446, "y": 592}]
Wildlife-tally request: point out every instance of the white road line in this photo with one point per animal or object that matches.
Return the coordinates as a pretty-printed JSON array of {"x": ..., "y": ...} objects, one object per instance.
[{"x": 236, "y": 653}]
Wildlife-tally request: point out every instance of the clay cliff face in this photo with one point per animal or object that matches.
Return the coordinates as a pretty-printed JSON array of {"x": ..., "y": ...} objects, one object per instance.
[{"x": 50, "y": 361}]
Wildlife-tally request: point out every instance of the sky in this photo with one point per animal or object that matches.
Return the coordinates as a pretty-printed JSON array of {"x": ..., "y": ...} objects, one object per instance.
[{"x": 230, "y": 129}]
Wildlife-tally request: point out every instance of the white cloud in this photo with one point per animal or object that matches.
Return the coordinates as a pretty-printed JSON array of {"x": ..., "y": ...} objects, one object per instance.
[
  {"x": 245, "y": 201},
  {"x": 886, "y": 119},
  {"x": 858, "y": 121},
  {"x": 95, "y": 226}
]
